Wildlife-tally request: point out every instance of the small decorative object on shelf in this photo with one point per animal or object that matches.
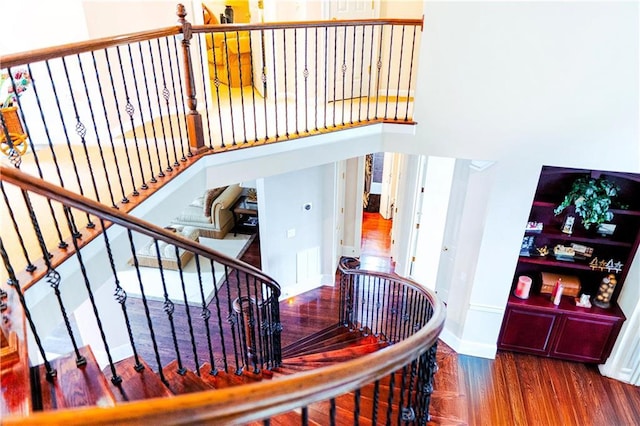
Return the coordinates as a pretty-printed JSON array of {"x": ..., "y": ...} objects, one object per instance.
[
  {"x": 606, "y": 229},
  {"x": 570, "y": 283},
  {"x": 543, "y": 251},
  {"x": 523, "y": 287},
  {"x": 556, "y": 295},
  {"x": 228, "y": 14},
  {"x": 582, "y": 251},
  {"x": 534, "y": 227},
  {"x": 605, "y": 291},
  {"x": 564, "y": 253},
  {"x": 610, "y": 265},
  {"x": 527, "y": 245},
  {"x": 567, "y": 226}
]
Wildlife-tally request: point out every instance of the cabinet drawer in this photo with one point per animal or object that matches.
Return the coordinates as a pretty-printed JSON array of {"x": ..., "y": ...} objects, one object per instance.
[
  {"x": 572, "y": 342},
  {"x": 527, "y": 331}
]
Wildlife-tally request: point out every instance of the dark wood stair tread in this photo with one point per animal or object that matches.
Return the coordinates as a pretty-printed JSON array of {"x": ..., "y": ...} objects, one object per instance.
[
  {"x": 286, "y": 419},
  {"x": 224, "y": 379},
  {"x": 188, "y": 382},
  {"x": 75, "y": 386},
  {"x": 337, "y": 355},
  {"x": 321, "y": 336},
  {"x": 136, "y": 385},
  {"x": 347, "y": 339}
]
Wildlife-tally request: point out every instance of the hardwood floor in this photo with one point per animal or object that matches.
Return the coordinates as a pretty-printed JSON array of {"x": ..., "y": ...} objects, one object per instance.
[{"x": 512, "y": 389}]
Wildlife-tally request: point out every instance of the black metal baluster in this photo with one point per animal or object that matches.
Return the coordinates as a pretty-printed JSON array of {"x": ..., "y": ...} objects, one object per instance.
[
  {"x": 335, "y": 71},
  {"x": 389, "y": 310},
  {"x": 379, "y": 300},
  {"x": 373, "y": 31},
  {"x": 83, "y": 270},
  {"x": 275, "y": 80},
  {"x": 242, "y": 332},
  {"x": 386, "y": 103},
  {"x": 315, "y": 98},
  {"x": 344, "y": 69},
  {"x": 332, "y": 412},
  {"x": 304, "y": 416},
  {"x": 403, "y": 384},
  {"x": 175, "y": 100},
  {"x": 295, "y": 77},
  {"x": 392, "y": 378},
  {"x": 81, "y": 131},
  {"x": 326, "y": 73},
  {"x": 376, "y": 396},
  {"x": 219, "y": 315},
  {"x": 52, "y": 276},
  {"x": 145, "y": 303},
  {"x": 61, "y": 242},
  {"x": 15, "y": 158},
  {"x": 362, "y": 61},
  {"x": 244, "y": 117},
  {"x": 356, "y": 407},
  {"x": 75, "y": 234},
  {"x": 252, "y": 323},
  {"x": 305, "y": 74},
  {"x": 207, "y": 93},
  {"x": 264, "y": 84},
  {"x": 124, "y": 143},
  {"x": 379, "y": 68},
  {"x": 253, "y": 91},
  {"x": 226, "y": 55},
  {"x": 232, "y": 319},
  {"x": 413, "y": 49},
  {"x": 108, "y": 124},
  {"x": 216, "y": 82},
  {"x": 353, "y": 71},
  {"x": 169, "y": 309},
  {"x": 409, "y": 414},
  {"x": 13, "y": 282},
  {"x": 395, "y": 117},
  {"x": 121, "y": 297},
  {"x": 166, "y": 94},
  {"x": 286, "y": 91},
  {"x": 205, "y": 315},
  {"x": 95, "y": 132},
  {"x": 153, "y": 124},
  {"x": 259, "y": 321},
  {"x": 143, "y": 66},
  {"x": 130, "y": 110},
  {"x": 142, "y": 120},
  {"x": 187, "y": 311},
  {"x": 30, "y": 266}
]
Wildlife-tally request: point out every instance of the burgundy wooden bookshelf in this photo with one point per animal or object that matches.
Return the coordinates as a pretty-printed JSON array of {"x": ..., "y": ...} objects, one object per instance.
[{"x": 537, "y": 326}]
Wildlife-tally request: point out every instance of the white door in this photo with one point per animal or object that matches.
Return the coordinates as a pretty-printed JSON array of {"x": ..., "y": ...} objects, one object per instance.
[
  {"x": 349, "y": 48},
  {"x": 388, "y": 188}
]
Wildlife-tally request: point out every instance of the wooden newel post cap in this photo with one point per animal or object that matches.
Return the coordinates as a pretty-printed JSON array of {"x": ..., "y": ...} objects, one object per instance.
[{"x": 181, "y": 11}]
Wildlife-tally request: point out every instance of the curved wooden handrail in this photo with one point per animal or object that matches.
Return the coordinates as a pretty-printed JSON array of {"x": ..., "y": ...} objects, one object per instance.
[
  {"x": 263, "y": 399},
  {"x": 22, "y": 58},
  {"x": 113, "y": 215}
]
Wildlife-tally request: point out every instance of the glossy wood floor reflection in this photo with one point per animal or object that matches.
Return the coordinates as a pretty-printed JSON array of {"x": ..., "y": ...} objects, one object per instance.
[{"x": 376, "y": 243}]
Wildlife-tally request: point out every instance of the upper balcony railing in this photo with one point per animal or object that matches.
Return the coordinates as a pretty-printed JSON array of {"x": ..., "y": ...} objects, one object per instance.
[{"x": 113, "y": 119}]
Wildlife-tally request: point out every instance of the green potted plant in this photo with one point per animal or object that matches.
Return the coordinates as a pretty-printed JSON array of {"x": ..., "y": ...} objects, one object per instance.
[{"x": 592, "y": 199}]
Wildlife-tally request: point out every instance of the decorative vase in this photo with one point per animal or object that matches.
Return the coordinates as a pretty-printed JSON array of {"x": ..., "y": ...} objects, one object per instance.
[{"x": 228, "y": 14}]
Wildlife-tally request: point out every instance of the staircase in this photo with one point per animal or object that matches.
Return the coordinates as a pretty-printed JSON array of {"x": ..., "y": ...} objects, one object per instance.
[{"x": 84, "y": 385}]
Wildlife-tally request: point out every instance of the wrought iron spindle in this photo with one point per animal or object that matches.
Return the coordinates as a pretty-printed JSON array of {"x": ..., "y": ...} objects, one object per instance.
[
  {"x": 153, "y": 123},
  {"x": 412, "y": 403},
  {"x": 207, "y": 93},
  {"x": 95, "y": 132},
  {"x": 81, "y": 131},
  {"x": 121, "y": 297},
  {"x": 143, "y": 66},
  {"x": 145, "y": 304},
  {"x": 205, "y": 313},
  {"x": 264, "y": 83},
  {"x": 295, "y": 78},
  {"x": 83, "y": 270},
  {"x": 362, "y": 61},
  {"x": 392, "y": 378},
  {"x": 241, "y": 82},
  {"x": 175, "y": 101},
  {"x": 315, "y": 98},
  {"x": 373, "y": 31},
  {"x": 216, "y": 83},
  {"x": 379, "y": 300},
  {"x": 52, "y": 276},
  {"x": 169, "y": 309},
  {"x": 353, "y": 70},
  {"x": 286, "y": 102},
  {"x": 304, "y": 416},
  {"x": 108, "y": 125},
  {"x": 130, "y": 110},
  {"x": 226, "y": 55},
  {"x": 166, "y": 94},
  {"x": 253, "y": 91},
  {"x": 413, "y": 49},
  {"x": 13, "y": 282},
  {"x": 117, "y": 105},
  {"x": 344, "y": 69},
  {"x": 386, "y": 103},
  {"x": 194, "y": 347},
  {"x": 332, "y": 411},
  {"x": 335, "y": 71},
  {"x": 275, "y": 80},
  {"x": 403, "y": 384},
  {"x": 232, "y": 318},
  {"x": 30, "y": 266},
  {"x": 395, "y": 117},
  {"x": 219, "y": 314},
  {"x": 378, "y": 68},
  {"x": 243, "y": 327},
  {"x": 376, "y": 397},
  {"x": 259, "y": 321}
]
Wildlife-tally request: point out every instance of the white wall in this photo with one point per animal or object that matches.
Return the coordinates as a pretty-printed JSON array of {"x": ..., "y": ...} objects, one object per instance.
[{"x": 295, "y": 242}]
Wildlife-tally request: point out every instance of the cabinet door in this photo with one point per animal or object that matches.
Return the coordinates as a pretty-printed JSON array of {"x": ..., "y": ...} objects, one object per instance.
[
  {"x": 527, "y": 331},
  {"x": 585, "y": 339}
]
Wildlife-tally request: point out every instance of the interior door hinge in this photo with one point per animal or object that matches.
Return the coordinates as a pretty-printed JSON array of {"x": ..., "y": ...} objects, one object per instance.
[
  {"x": 413, "y": 258},
  {"x": 417, "y": 226}
]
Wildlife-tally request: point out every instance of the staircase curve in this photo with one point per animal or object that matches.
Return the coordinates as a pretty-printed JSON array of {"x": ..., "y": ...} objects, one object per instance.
[{"x": 219, "y": 361}]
